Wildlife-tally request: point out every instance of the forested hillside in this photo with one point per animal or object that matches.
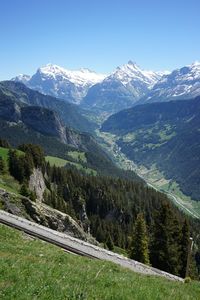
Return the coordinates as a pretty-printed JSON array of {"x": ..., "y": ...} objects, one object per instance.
[{"x": 109, "y": 208}]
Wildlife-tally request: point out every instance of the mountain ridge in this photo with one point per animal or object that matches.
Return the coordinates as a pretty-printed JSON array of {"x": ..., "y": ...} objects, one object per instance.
[
  {"x": 73, "y": 85},
  {"x": 121, "y": 89},
  {"x": 70, "y": 114},
  {"x": 53, "y": 80},
  {"x": 128, "y": 85},
  {"x": 182, "y": 83}
]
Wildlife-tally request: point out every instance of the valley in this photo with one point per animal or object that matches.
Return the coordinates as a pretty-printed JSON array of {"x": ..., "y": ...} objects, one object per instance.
[
  {"x": 100, "y": 150},
  {"x": 153, "y": 177},
  {"x": 94, "y": 184}
]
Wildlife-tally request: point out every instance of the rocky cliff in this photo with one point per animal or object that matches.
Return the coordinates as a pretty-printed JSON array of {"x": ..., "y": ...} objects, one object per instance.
[{"x": 43, "y": 214}]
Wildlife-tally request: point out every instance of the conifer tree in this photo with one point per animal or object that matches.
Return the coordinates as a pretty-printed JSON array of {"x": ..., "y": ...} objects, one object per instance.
[
  {"x": 184, "y": 247},
  {"x": 16, "y": 165},
  {"x": 2, "y": 166},
  {"x": 24, "y": 190},
  {"x": 4, "y": 143},
  {"x": 109, "y": 243},
  {"x": 165, "y": 245},
  {"x": 140, "y": 251}
]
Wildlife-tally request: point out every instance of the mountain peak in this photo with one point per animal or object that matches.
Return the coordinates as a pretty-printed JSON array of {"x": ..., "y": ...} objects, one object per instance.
[
  {"x": 22, "y": 78},
  {"x": 80, "y": 76},
  {"x": 196, "y": 63},
  {"x": 132, "y": 63},
  {"x": 71, "y": 85},
  {"x": 132, "y": 72},
  {"x": 180, "y": 84},
  {"x": 130, "y": 66},
  {"x": 51, "y": 68}
]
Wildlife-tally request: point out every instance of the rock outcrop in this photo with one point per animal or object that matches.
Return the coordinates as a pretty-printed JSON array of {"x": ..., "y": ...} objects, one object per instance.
[
  {"x": 37, "y": 184},
  {"x": 43, "y": 214}
]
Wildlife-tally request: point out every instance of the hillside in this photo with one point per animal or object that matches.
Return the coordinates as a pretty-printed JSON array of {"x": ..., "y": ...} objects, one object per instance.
[
  {"x": 165, "y": 135},
  {"x": 107, "y": 208},
  {"x": 46, "y": 272},
  {"x": 69, "y": 113},
  {"x": 29, "y": 123},
  {"x": 96, "y": 157}
]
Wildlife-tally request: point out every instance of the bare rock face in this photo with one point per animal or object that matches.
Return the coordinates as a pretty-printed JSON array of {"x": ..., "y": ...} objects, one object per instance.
[
  {"x": 44, "y": 121},
  {"x": 9, "y": 110},
  {"x": 43, "y": 214},
  {"x": 59, "y": 221},
  {"x": 84, "y": 219},
  {"x": 37, "y": 184}
]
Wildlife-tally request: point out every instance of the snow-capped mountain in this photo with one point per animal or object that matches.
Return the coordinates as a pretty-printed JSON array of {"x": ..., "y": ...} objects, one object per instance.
[
  {"x": 183, "y": 83},
  {"x": 128, "y": 85},
  {"x": 22, "y": 78},
  {"x": 82, "y": 77},
  {"x": 138, "y": 81},
  {"x": 131, "y": 71},
  {"x": 62, "y": 83},
  {"x": 121, "y": 89}
]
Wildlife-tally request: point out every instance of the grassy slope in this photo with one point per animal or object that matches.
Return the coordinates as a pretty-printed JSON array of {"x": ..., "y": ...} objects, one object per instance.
[
  {"x": 59, "y": 162},
  {"x": 4, "y": 153},
  {"x": 6, "y": 181},
  {"x": 78, "y": 156},
  {"x": 11, "y": 185},
  {"x": 31, "y": 269}
]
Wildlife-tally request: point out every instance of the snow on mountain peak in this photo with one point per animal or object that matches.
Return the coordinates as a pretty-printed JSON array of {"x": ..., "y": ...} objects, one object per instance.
[
  {"x": 22, "y": 78},
  {"x": 196, "y": 64},
  {"x": 73, "y": 85},
  {"x": 81, "y": 77},
  {"x": 182, "y": 83},
  {"x": 184, "y": 75},
  {"x": 131, "y": 72},
  {"x": 130, "y": 62}
]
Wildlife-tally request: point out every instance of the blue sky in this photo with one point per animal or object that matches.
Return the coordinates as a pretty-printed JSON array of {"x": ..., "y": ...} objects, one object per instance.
[{"x": 98, "y": 34}]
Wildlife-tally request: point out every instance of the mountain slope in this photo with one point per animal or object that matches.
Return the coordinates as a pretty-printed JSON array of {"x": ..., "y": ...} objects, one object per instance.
[
  {"x": 109, "y": 96},
  {"x": 94, "y": 279},
  {"x": 120, "y": 90},
  {"x": 181, "y": 84},
  {"x": 128, "y": 85},
  {"x": 22, "y": 123},
  {"x": 70, "y": 114},
  {"x": 165, "y": 134},
  {"x": 62, "y": 83}
]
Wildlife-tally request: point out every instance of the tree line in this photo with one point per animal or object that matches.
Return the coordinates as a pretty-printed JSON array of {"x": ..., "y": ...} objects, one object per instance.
[{"x": 120, "y": 213}]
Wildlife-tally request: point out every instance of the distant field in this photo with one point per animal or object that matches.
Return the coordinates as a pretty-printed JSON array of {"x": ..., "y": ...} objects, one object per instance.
[
  {"x": 152, "y": 176},
  {"x": 156, "y": 178},
  {"x": 78, "y": 156},
  {"x": 59, "y": 162},
  {"x": 31, "y": 269}
]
